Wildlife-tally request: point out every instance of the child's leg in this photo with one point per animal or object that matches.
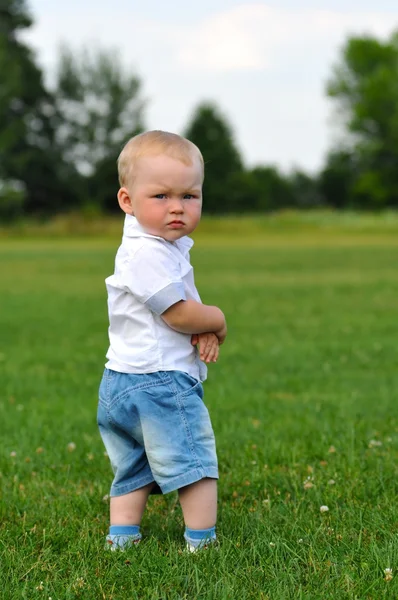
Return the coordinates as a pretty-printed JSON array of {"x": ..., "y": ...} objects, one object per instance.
[
  {"x": 199, "y": 506},
  {"x": 125, "y": 515},
  {"x": 129, "y": 508}
]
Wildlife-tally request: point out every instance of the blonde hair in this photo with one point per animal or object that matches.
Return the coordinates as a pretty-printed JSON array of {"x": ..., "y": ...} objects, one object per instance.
[{"x": 153, "y": 143}]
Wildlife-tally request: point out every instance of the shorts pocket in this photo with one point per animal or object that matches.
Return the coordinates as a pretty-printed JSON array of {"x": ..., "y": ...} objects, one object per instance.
[
  {"x": 105, "y": 385},
  {"x": 188, "y": 385}
]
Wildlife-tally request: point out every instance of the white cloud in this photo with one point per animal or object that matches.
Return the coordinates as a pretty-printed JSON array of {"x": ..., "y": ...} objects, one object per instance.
[
  {"x": 247, "y": 37},
  {"x": 257, "y": 36},
  {"x": 227, "y": 41}
]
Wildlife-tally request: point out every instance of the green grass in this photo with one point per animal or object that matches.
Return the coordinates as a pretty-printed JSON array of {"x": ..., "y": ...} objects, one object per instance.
[{"x": 310, "y": 366}]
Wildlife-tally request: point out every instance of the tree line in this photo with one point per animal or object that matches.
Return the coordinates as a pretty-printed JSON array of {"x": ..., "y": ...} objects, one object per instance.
[{"x": 59, "y": 145}]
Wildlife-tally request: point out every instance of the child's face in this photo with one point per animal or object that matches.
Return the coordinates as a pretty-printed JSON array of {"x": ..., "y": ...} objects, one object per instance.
[{"x": 166, "y": 196}]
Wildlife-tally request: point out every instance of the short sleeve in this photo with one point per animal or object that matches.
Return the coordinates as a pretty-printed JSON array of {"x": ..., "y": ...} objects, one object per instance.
[{"x": 153, "y": 276}]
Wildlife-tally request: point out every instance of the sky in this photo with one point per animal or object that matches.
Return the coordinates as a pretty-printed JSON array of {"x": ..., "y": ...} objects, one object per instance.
[{"x": 264, "y": 64}]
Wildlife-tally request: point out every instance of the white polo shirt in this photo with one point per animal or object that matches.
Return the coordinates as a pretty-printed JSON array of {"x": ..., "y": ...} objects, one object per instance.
[{"x": 151, "y": 274}]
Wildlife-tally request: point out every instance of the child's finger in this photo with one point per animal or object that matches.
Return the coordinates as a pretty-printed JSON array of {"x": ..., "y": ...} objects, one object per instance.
[
  {"x": 194, "y": 339},
  {"x": 204, "y": 346},
  {"x": 204, "y": 353},
  {"x": 212, "y": 357},
  {"x": 212, "y": 354}
]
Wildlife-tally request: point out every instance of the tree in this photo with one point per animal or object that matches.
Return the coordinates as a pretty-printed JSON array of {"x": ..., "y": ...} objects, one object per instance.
[
  {"x": 261, "y": 189},
  {"x": 210, "y": 131},
  {"x": 336, "y": 179},
  {"x": 28, "y": 162},
  {"x": 305, "y": 190},
  {"x": 275, "y": 190},
  {"x": 98, "y": 108},
  {"x": 365, "y": 86}
]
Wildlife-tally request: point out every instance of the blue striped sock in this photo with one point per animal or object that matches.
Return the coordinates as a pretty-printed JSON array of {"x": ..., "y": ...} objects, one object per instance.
[
  {"x": 123, "y": 536},
  {"x": 200, "y": 537},
  {"x": 124, "y": 530}
]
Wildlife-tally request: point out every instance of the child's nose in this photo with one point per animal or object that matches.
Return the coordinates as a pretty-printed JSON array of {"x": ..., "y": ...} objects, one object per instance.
[{"x": 176, "y": 205}]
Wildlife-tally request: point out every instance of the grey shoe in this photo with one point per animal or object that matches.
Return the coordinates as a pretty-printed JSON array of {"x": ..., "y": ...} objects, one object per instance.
[
  {"x": 121, "y": 542},
  {"x": 203, "y": 545}
]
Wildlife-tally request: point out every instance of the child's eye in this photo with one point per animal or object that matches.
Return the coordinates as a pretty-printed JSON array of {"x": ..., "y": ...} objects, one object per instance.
[
  {"x": 188, "y": 196},
  {"x": 160, "y": 196}
]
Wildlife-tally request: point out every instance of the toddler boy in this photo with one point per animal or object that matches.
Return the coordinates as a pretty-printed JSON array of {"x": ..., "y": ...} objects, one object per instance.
[{"x": 151, "y": 416}]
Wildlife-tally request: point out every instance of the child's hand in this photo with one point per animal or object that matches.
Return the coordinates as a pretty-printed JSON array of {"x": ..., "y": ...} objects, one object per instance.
[{"x": 208, "y": 346}]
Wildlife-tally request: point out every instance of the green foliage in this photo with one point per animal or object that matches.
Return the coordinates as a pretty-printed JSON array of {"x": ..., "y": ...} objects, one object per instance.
[
  {"x": 14, "y": 15},
  {"x": 305, "y": 192},
  {"x": 12, "y": 200},
  {"x": 336, "y": 179},
  {"x": 98, "y": 107},
  {"x": 303, "y": 403},
  {"x": 365, "y": 86},
  {"x": 211, "y": 132},
  {"x": 60, "y": 147},
  {"x": 27, "y": 151},
  {"x": 273, "y": 189}
]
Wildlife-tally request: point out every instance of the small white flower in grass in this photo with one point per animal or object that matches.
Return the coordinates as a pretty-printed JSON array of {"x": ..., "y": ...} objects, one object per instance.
[
  {"x": 105, "y": 498},
  {"x": 13, "y": 454},
  {"x": 324, "y": 509},
  {"x": 388, "y": 574},
  {"x": 79, "y": 583},
  {"x": 71, "y": 446},
  {"x": 331, "y": 482},
  {"x": 272, "y": 545},
  {"x": 375, "y": 443},
  {"x": 308, "y": 484},
  {"x": 40, "y": 587},
  {"x": 300, "y": 541}
]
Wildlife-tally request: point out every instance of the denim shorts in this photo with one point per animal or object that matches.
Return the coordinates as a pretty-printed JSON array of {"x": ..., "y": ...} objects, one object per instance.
[{"x": 155, "y": 428}]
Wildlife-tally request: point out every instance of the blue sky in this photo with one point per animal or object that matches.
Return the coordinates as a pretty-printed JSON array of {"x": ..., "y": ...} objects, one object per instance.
[{"x": 265, "y": 64}]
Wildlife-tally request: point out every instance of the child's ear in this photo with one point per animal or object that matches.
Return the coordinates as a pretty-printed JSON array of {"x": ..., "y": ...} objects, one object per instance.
[{"x": 124, "y": 199}]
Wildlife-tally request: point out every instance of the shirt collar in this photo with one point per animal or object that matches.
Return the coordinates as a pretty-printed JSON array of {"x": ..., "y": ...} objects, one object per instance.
[{"x": 133, "y": 229}]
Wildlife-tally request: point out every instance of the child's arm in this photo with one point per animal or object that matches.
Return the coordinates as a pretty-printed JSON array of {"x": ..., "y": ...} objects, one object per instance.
[{"x": 189, "y": 316}]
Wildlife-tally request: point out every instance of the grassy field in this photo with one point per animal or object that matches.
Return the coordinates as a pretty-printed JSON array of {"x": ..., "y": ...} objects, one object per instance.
[{"x": 303, "y": 402}]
